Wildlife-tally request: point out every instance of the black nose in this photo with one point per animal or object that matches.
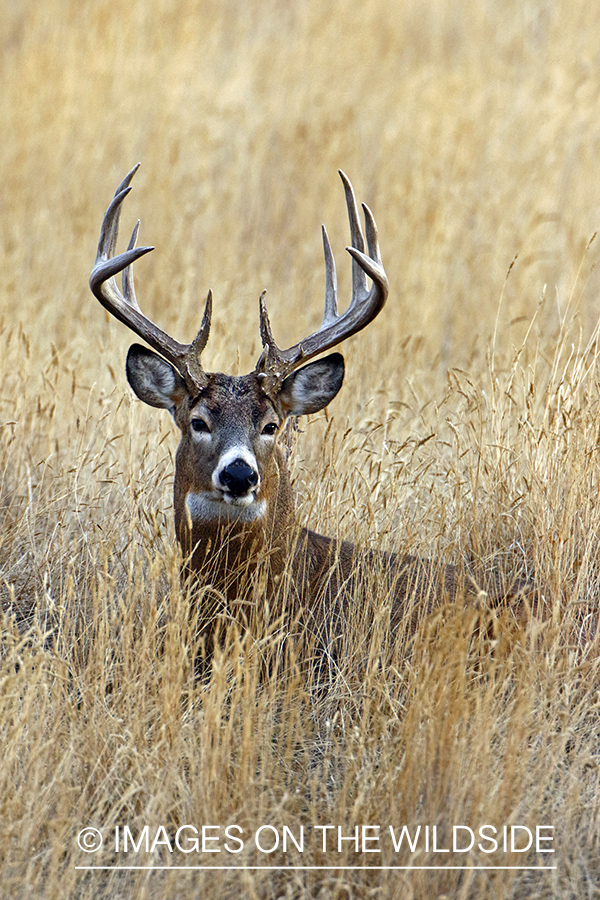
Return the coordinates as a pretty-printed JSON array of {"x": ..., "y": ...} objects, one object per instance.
[{"x": 238, "y": 477}]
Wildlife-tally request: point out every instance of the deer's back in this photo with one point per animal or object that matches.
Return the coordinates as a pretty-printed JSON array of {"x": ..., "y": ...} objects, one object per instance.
[{"x": 338, "y": 582}]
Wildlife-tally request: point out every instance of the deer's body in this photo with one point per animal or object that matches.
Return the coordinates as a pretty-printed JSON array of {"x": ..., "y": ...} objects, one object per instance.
[
  {"x": 234, "y": 506},
  {"x": 229, "y": 546}
]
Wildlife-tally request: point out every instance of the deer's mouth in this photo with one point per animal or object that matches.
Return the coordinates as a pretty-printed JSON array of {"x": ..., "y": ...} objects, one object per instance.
[
  {"x": 233, "y": 500},
  {"x": 210, "y": 506}
]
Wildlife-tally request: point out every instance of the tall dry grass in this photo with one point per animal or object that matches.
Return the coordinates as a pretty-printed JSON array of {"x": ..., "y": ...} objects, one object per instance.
[{"x": 467, "y": 431}]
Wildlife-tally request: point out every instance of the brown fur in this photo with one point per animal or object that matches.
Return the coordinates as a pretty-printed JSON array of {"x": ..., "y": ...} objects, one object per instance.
[{"x": 311, "y": 584}]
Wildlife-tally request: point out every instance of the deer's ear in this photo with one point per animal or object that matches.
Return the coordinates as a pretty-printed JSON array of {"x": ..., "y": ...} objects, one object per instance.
[
  {"x": 153, "y": 379},
  {"x": 311, "y": 388}
]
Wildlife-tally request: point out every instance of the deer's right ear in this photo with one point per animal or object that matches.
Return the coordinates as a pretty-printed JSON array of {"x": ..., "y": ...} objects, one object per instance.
[
  {"x": 153, "y": 379},
  {"x": 311, "y": 388}
]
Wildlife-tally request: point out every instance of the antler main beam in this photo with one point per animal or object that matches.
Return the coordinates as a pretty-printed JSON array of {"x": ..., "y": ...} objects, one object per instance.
[
  {"x": 124, "y": 305},
  {"x": 275, "y": 364}
]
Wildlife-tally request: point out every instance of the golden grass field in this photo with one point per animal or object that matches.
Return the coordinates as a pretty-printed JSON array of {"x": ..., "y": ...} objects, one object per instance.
[{"x": 467, "y": 431}]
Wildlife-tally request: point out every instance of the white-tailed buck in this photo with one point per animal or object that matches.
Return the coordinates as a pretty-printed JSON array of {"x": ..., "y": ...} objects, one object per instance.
[{"x": 234, "y": 505}]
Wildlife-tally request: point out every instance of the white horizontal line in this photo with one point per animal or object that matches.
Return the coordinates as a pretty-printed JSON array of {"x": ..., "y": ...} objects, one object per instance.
[{"x": 315, "y": 868}]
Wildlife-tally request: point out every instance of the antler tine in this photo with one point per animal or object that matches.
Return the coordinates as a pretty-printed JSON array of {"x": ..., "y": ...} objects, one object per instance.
[
  {"x": 274, "y": 364},
  {"x": 201, "y": 339},
  {"x": 371, "y": 264},
  {"x": 125, "y": 307},
  {"x": 359, "y": 281},
  {"x": 128, "y": 283},
  {"x": 110, "y": 223},
  {"x": 331, "y": 312}
]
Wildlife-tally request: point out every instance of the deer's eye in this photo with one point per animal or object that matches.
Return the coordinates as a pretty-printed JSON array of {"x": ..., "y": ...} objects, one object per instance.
[
  {"x": 270, "y": 429},
  {"x": 200, "y": 426}
]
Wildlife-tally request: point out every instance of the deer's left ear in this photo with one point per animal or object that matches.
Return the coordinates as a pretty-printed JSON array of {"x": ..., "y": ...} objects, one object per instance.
[
  {"x": 311, "y": 388},
  {"x": 153, "y": 379}
]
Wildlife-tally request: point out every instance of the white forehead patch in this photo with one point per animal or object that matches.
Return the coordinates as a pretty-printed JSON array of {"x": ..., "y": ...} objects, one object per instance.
[{"x": 208, "y": 506}]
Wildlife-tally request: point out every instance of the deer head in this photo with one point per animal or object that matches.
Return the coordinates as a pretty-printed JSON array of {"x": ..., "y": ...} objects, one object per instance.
[{"x": 227, "y": 461}]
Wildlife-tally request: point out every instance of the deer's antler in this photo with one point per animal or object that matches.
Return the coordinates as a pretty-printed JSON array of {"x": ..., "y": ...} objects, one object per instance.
[
  {"x": 275, "y": 364},
  {"x": 124, "y": 306}
]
